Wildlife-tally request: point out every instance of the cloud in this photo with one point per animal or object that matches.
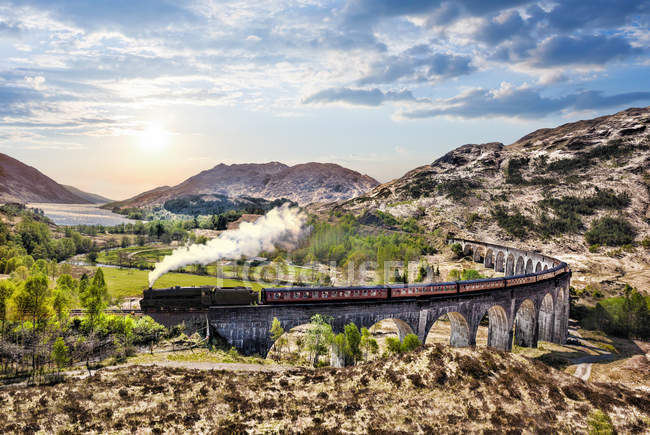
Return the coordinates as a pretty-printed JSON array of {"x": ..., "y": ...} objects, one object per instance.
[
  {"x": 418, "y": 64},
  {"x": 584, "y": 50},
  {"x": 522, "y": 102},
  {"x": 17, "y": 100},
  {"x": 358, "y": 97}
]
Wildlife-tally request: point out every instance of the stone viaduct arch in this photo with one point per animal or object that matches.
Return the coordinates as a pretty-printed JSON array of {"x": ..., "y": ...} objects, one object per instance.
[{"x": 526, "y": 313}]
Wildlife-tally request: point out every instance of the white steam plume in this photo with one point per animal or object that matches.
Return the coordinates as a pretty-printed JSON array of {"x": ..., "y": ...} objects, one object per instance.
[{"x": 282, "y": 224}]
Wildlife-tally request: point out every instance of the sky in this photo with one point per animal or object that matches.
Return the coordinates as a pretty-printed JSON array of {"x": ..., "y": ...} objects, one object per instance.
[{"x": 117, "y": 97}]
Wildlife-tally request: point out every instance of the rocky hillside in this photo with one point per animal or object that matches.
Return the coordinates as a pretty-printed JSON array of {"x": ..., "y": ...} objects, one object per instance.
[
  {"x": 544, "y": 191},
  {"x": 434, "y": 389},
  {"x": 90, "y": 197},
  {"x": 304, "y": 184},
  {"x": 24, "y": 184}
]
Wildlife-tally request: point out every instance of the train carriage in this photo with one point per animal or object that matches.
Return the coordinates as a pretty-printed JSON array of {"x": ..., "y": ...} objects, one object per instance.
[
  {"x": 480, "y": 285},
  {"x": 521, "y": 279},
  {"x": 420, "y": 290},
  {"x": 319, "y": 294}
]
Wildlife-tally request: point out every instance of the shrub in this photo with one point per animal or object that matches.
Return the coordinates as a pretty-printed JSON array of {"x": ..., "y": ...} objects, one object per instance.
[
  {"x": 514, "y": 223},
  {"x": 411, "y": 342},
  {"x": 513, "y": 171},
  {"x": 610, "y": 231},
  {"x": 457, "y": 249},
  {"x": 393, "y": 345},
  {"x": 457, "y": 189},
  {"x": 599, "y": 423}
]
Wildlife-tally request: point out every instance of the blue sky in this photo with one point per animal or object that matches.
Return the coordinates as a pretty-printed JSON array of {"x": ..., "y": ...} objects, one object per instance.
[{"x": 117, "y": 97}]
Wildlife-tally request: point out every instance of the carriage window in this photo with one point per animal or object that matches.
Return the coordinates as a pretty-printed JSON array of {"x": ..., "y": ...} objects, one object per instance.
[{"x": 373, "y": 293}]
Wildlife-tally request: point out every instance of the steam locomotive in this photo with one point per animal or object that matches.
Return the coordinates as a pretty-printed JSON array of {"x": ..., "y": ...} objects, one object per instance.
[{"x": 200, "y": 298}]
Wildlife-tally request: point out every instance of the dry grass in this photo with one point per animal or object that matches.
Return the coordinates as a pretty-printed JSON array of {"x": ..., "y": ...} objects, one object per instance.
[{"x": 434, "y": 389}]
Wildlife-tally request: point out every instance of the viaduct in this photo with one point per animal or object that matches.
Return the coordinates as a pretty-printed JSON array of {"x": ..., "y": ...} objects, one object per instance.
[{"x": 523, "y": 314}]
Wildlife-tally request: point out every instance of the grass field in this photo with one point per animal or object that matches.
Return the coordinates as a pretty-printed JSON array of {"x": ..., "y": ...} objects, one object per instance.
[{"x": 124, "y": 283}]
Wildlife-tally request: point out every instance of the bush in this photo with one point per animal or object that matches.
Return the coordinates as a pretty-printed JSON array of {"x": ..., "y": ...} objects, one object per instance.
[
  {"x": 393, "y": 345},
  {"x": 514, "y": 223},
  {"x": 457, "y": 249},
  {"x": 599, "y": 423},
  {"x": 610, "y": 231},
  {"x": 411, "y": 342}
]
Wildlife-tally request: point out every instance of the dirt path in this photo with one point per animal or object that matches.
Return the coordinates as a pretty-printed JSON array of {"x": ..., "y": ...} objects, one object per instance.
[{"x": 583, "y": 370}]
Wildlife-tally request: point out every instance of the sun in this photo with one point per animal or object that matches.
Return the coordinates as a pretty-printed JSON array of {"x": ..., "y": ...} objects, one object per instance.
[{"x": 154, "y": 138}]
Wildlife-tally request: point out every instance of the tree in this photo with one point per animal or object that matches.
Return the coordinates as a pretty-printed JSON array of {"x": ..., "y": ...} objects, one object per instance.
[
  {"x": 6, "y": 290},
  {"x": 319, "y": 336},
  {"x": 368, "y": 344},
  {"x": 36, "y": 292},
  {"x": 84, "y": 282},
  {"x": 276, "y": 334},
  {"x": 92, "y": 256},
  {"x": 94, "y": 298},
  {"x": 60, "y": 354},
  {"x": 339, "y": 350},
  {"x": 353, "y": 342},
  {"x": 61, "y": 301},
  {"x": 32, "y": 299}
]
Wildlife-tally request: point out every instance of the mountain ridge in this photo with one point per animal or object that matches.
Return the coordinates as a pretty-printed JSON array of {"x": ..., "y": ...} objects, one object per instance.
[
  {"x": 23, "y": 183},
  {"x": 303, "y": 183}
]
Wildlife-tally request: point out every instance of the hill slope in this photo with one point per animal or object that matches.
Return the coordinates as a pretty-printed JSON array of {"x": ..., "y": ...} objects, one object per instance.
[
  {"x": 90, "y": 197},
  {"x": 22, "y": 183},
  {"x": 304, "y": 183},
  {"x": 543, "y": 191},
  {"x": 431, "y": 390}
]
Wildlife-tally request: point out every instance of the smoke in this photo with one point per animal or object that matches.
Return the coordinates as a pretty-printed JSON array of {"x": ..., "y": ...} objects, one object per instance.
[{"x": 280, "y": 225}]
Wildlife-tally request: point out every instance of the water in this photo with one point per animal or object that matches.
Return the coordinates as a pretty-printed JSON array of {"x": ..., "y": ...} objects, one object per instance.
[{"x": 79, "y": 214}]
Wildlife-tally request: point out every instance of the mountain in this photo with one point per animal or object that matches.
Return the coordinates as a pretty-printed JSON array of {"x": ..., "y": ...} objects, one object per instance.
[
  {"x": 24, "y": 184},
  {"x": 303, "y": 183},
  {"x": 90, "y": 197},
  {"x": 547, "y": 191}
]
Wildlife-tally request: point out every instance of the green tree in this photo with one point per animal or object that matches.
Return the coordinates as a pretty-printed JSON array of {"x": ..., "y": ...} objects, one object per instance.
[
  {"x": 6, "y": 291},
  {"x": 60, "y": 354},
  {"x": 277, "y": 332},
  {"x": 353, "y": 342},
  {"x": 340, "y": 349},
  {"x": 61, "y": 302},
  {"x": 36, "y": 292},
  {"x": 368, "y": 344},
  {"x": 94, "y": 298},
  {"x": 319, "y": 337}
]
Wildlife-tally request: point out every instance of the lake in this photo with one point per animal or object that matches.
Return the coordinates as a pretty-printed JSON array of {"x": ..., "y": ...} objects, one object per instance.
[{"x": 79, "y": 214}]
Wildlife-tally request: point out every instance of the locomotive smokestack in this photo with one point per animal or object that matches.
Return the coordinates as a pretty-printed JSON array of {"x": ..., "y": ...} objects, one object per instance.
[{"x": 282, "y": 224}]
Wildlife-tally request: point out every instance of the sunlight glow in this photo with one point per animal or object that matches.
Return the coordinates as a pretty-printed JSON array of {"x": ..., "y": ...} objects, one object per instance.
[{"x": 154, "y": 138}]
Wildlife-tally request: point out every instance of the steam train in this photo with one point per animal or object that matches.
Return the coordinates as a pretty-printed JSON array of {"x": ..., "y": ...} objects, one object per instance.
[{"x": 199, "y": 298}]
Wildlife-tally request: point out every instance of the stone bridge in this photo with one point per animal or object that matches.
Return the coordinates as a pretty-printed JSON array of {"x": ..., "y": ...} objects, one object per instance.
[{"x": 523, "y": 314}]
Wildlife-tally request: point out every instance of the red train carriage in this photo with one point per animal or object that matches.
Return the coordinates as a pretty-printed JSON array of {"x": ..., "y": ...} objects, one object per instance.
[
  {"x": 521, "y": 279},
  {"x": 418, "y": 290},
  {"x": 480, "y": 285},
  {"x": 319, "y": 294}
]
